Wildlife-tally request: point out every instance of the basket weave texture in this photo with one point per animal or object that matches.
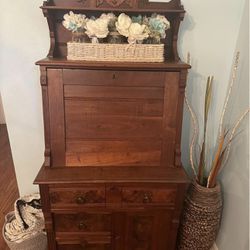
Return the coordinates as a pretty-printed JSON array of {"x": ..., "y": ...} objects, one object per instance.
[
  {"x": 200, "y": 219},
  {"x": 35, "y": 242},
  {"x": 115, "y": 52}
]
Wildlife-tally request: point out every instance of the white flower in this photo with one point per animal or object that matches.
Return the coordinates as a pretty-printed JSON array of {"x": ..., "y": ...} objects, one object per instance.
[
  {"x": 123, "y": 23},
  {"x": 137, "y": 32},
  {"x": 164, "y": 20},
  {"x": 74, "y": 22},
  {"x": 97, "y": 28},
  {"x": 108, "y": 16}
]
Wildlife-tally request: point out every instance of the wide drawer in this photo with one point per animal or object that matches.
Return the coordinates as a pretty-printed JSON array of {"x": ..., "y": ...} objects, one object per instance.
[
  {"x": 113, "y": 77},
  {"x": 82, "y": 222},
  {"x": 159, "y": 195},
  {"x": 77, "y": 196}
]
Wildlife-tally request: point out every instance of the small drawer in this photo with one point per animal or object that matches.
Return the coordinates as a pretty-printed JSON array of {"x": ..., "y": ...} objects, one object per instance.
[
  {"x": 133, "y": 196},
  {"x": 77, "y": 196},
  {"x": 86, "y": 243},
  {"x": 82, "y": 222},
  {"x": 113, "y": 78}
]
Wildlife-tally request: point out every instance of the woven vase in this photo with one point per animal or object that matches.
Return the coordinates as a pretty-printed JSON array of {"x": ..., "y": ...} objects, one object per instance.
[{"x": 201, "y": 218}]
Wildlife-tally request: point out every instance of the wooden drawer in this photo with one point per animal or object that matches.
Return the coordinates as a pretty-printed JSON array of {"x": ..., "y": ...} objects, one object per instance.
[
  {"x": 83, "y": 246},
  {"x": 82, "y": 222},
  {"x": 87, "y": 243},
  {"x": 77, "y": 196},
  {"x": 134, "y": 196},
  {"x": 113, "y": 77}
]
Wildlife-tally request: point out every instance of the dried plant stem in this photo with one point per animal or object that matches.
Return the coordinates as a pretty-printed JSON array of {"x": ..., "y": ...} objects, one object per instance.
[
  {"x": 195, "y": 128},
  {"x": 208, "y": 97},
  {"x": 214, "y": 169},
  {"x": 234, "y": 130},
  {"x": 233, "y": 77}
]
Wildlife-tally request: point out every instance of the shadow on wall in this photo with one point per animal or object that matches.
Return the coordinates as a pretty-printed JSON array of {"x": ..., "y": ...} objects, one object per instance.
[{"x": 2, "y": 118}]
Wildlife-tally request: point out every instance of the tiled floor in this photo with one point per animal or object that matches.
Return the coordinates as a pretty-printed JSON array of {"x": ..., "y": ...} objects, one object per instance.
[{"x": 8, "y": 184}]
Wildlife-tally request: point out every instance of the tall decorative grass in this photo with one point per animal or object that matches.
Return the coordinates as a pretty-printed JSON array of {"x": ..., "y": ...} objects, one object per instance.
[{"x": 224, "y": 140}]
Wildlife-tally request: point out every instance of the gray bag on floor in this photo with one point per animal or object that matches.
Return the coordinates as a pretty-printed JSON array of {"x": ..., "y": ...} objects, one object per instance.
[{"x": 24, "y": 228}]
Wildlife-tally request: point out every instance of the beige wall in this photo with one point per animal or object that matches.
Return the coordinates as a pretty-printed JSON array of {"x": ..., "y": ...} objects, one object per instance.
[
  {"x": 234, "y": 233},
  {"x": 2, "y": 118},
  {"x": 212, "y": 54}
]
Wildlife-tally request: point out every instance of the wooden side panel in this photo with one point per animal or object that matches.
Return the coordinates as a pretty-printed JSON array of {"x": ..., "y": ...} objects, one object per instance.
[
  {"x": 182, "y": 85},
  {"x": 170, "y": 118},
  {"x": 44, "y": 192},
  {"x": 56, "y": 113}
]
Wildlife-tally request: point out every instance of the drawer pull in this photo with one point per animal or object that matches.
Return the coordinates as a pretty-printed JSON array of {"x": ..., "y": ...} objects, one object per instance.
[
  {"x": 114, "y": 76},
  {"x": 82, "y": 225},
  {"x": 147, "y": 198},
  {"x": 80, "y": 200}
]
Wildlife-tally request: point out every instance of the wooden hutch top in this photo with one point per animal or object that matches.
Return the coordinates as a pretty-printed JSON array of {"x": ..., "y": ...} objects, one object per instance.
[{"x": 54, "y": 11}]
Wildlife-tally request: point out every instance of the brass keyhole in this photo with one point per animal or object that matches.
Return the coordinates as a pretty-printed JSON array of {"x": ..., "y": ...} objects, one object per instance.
[
  {"x": 82, "y": 225},
  {"x": 80, "y": 200}
]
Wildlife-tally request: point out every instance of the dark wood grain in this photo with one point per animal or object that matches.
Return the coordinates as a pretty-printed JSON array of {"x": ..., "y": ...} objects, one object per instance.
[
  {"x": 56, "y": 111},
  {"x": 112, "y": 176},
  {"x": 83, "y": 222},
  {"x": 113, "y": 152},
  {"x": 119, "y": 174},
  {"x": 8, "y": 183},
  {"x": 114, "y": 78}
]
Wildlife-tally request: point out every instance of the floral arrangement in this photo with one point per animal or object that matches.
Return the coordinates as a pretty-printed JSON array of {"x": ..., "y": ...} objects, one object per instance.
[{"x": 136, "y": 29}]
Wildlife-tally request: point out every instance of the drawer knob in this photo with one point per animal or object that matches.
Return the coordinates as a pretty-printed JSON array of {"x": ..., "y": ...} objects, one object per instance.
[
  {"x": 80, "y": 200},
  {"x": 82, "y": 225},
  {"x": 147, "y": 198}
]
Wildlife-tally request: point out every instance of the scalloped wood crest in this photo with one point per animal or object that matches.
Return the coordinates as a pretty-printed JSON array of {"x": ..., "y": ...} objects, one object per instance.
[{"x": 115, "y": 3}]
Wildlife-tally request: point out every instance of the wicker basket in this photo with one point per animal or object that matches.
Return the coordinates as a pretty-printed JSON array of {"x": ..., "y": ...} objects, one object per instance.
[
  {"x": 35, "y": 242},
  {"x": 115, "y": 52},
  {"x": 201, "y": 218}
]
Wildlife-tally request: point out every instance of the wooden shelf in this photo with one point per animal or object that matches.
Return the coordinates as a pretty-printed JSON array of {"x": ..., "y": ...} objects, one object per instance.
[
  {"x": 113, "y": 174},
  {"x": 58, "y": 62}
]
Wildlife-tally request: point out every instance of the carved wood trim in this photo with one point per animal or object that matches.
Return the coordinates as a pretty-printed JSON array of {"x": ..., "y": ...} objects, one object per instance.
[
  {"x": 115, "y": 3},
  {"x": 51, "y": 31},
  {"x": 182, "y": 85},
  {"x": 44, "y": 191},
  {"x": 43, "y": 76},
  {"x": 44, "y": 84}
]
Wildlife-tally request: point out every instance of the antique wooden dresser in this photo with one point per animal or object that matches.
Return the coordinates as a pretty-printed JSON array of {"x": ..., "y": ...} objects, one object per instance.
[{"x": 112, "y": 176}]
